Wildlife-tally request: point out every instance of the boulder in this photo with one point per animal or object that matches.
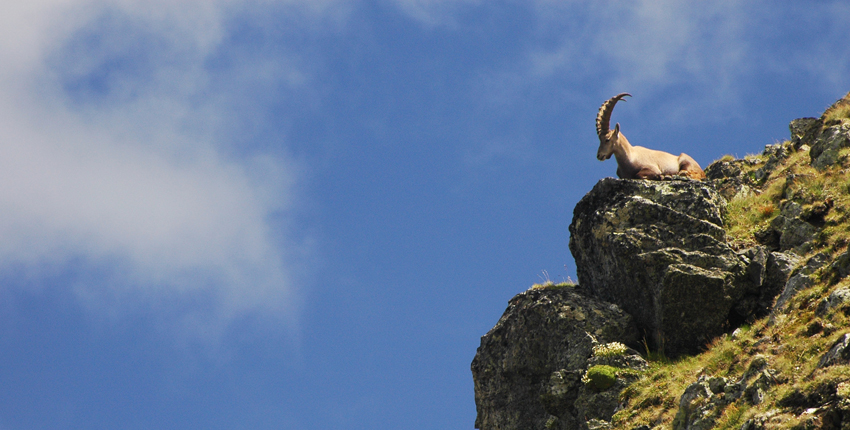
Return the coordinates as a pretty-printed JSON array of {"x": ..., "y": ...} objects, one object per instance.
[
  {"x": 793, "y": 229},
  {"x": 839, "y": 353},
  {"x": 780, "y": 267},
  {"x": 799, "y": 280},
  {"x": 839, "y": 299},
  {"x": 841, "y": 266},
  {"x": 729, "y": 178},
  {"x": 825, "y": 136},
  {"x": 825, "y": 150},
  {"x": 804, "y": 131},
  {"x": 658, "y": 250},
  {"x": 529, "y": 367},
  {"x": 696, "y": 410},
  {"x": 776, "y": 155}
]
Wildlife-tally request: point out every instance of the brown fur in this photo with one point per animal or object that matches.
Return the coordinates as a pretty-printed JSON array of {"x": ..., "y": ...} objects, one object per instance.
[{"x": 637, "y": 162}]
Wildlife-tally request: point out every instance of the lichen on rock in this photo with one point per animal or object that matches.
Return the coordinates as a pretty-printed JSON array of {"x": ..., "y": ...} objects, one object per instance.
[
  {"x": 658, "y": 250},
  {"x": 528, "y": 368}
]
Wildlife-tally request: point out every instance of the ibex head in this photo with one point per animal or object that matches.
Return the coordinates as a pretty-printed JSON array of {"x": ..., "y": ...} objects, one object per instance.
[{"x": 607, "y": 138}]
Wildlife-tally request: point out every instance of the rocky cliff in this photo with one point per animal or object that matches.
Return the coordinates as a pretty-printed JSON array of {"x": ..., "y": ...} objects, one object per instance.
[
  {"x": 735, "y": 289},
  {"x": 658, "y": 250},
  {"x": 545, "y": 334}
]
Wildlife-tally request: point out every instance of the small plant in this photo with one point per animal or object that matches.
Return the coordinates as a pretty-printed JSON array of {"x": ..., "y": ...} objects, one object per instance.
[
  {"x": 600, "y": 377},
  {"x": 613, "y": 349},
  {"x": 551, "y": 285},
  {"x": 548, "y": 283},
  {"x": 766, "y": 210}
]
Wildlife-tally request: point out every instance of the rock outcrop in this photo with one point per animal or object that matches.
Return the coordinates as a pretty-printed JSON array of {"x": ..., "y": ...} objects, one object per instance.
[
  {"x": 658, "y": 250},
  {"x": 655, "y": 267},
  {"x": 838, "y": 354},
  {"x": 529, "y": 368},
  {"x": 826, "y": 136},
  {"x": 704, "y": 401}
]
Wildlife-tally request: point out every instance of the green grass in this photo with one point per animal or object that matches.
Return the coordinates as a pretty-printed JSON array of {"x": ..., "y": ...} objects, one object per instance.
[
  {"x": 613, "y": 349},
  {"x": 733, "y": 417}
]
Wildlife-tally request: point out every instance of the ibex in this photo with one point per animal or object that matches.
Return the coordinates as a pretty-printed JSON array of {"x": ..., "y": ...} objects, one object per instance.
[{"x": 637, "y": 162}]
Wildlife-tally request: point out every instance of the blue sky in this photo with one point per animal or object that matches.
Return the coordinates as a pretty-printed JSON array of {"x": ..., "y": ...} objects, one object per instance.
[{"x": 303, "y": 214}]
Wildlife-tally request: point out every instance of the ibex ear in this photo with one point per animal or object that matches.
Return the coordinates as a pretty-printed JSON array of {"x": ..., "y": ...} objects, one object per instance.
[{"x": 617, "y": 129}]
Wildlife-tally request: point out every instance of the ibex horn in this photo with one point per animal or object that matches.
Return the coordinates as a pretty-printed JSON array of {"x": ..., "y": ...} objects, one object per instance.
[{"x": 604, "y": 115}]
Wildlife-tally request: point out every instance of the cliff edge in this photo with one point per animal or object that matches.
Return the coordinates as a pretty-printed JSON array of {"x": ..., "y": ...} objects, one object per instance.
[{"x": 735, "y": 291}]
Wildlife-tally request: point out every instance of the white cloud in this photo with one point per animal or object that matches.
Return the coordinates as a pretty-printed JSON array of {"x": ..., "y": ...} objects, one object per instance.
[
  {"x": 140, "y": 183},
  {"x": 713, "y": 49},
  {"x": 646, "y": 44}
]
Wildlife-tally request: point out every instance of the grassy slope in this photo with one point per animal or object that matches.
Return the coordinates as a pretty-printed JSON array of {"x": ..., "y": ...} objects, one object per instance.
[{"x": 794, "y": 342}]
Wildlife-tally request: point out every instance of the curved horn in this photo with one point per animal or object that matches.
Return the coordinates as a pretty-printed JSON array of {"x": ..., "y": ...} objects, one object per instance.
[{"x": 604, "y": 114}]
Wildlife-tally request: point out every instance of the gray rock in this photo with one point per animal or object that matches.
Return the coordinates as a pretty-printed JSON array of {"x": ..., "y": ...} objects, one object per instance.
[
  {"x": 776, "y": 154},
  {"x": 734, "y": 391},
  {"x": 560, "y": 397},
  {"x": 729, "y": 179},
  {"x": 841, "y": 265},
  {"x": 755, "y": 391},
  {"x": 721, "y": 169},
  {"x": 792, "y": 231},
  {"x": 794, "y": 228},
  {"x": 600, "y": 405},
  {"x": 659, "y": 251},
  {"x": 542, "y": 332},
  {"x": 839, "y": 353},
  {"x": 797, "y": 283},
  {"x": 695, "y": 413},
  {"x": 815, "y": 262},
  {"x": 839, "y": 299},
  {"x": 778, "y": 269},
  {"x": 591, "y": 405},
  {"x": 824, "y": 151},
  {"x": 791, "y": 209},
  {"x": 704, "y": 401},
  {"x": 717, "y": 384},
  {"x": 780, "y": 265},
  {"x": 757, "y": 267},
  {"x": 804, "y": 131},
  {"x": 800, "y": 280}
]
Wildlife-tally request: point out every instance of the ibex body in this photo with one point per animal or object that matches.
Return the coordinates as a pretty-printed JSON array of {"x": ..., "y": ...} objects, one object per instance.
[{"x": 637, "y": 162}]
